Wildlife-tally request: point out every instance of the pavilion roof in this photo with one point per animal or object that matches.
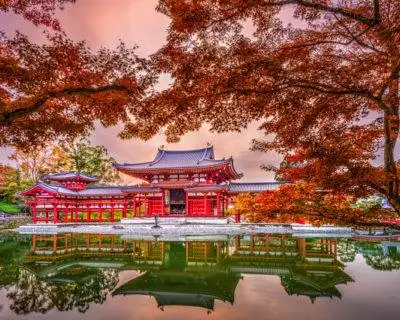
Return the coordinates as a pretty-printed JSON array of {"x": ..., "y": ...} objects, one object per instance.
[
  {"x": 181, "y": 159},
  {"x": 71, "y": 175},
  {"x": 179, "y": 288},
  {"x": 89, "y": 192}
]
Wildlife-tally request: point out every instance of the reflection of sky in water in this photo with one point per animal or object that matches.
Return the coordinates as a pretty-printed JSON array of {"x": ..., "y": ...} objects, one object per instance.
[{"x": 366, "y": 293}]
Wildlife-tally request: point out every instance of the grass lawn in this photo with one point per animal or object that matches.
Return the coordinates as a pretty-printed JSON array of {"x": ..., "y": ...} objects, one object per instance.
[{"x": 9, "y": 207}]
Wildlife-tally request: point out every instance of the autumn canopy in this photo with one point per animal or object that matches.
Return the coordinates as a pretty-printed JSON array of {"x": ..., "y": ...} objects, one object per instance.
[{"x": 326, "y": 86}]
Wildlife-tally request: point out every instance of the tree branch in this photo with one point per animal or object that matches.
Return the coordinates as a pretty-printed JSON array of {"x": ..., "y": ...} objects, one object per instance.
[
  {"x": 322, "y": 7},
  {"x": 6, "y": 117}
]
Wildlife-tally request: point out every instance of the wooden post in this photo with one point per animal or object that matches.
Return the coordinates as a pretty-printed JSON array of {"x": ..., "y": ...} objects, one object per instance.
[
  {"x": 33, "y": 242},
  {"x": 66, "y": 214},
  {"x": 147, "y": 206},
  {"x": 218, "y": 205},
  {"x": 100, "y": 213},
  {"x": 205, "y": 204},
  {"x": 124, "y": 210},
  {"x": 89, "y": 211},
  {"x": 112, "y": 212},
  {"x": 55, "y": 213},
  {"x": 54, "y": 244},
  {"x": 34, "y": 212},
  {"x": 187, "y": 203},
  {"x": 237, "y": 243},
  {"x": 162, "y": 202},
  {"x": 237, "y": 218}
]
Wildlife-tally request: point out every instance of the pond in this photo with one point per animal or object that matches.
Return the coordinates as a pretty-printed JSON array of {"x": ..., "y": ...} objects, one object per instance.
[{"x": 251, "y": 276}]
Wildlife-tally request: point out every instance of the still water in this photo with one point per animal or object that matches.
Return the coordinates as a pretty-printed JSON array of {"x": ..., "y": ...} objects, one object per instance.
[{"x": 256, "y": 276}]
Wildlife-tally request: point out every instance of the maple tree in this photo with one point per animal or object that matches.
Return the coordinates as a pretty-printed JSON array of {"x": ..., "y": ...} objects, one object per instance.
[
  {"x": 57, "y": 89},
  {"x": 326, "y": 85},
  {"x": 35, "y": 162},
  {"x": 302, "y": 202}
]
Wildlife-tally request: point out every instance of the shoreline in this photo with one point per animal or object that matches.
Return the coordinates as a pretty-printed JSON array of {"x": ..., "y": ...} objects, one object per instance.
[{"x": 183, "y": 229}]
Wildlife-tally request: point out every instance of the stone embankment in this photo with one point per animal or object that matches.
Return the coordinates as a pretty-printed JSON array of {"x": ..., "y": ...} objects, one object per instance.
[{"x": 177, "y": 227}]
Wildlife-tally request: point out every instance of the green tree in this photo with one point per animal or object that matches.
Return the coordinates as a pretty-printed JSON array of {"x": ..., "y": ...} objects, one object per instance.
[
  {"x": 92, "y": 160},
  {"x": 12, "y": 180}
]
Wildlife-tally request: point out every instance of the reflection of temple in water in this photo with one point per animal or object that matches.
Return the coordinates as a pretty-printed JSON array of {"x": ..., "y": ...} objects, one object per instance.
[{"x": 195, "y": 272}]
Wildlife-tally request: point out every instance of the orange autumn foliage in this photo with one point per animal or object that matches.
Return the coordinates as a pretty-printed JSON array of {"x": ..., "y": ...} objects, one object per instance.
[
  {"x": 326, "y": 84},
  {"x": 302, "y": 202},
  {"x": 58, "y": 89}
]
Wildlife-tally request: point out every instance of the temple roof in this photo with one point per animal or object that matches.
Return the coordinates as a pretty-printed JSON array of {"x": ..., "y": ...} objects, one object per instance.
[
  {"x": 123, "y": 190},
  {"x": 181, "y": 159},
  {"x": 183, "y": 288},
  {"x": 95, "y": 191},
  {"x": 239, "y": 187},
  {"x": 68, "y": 176}
]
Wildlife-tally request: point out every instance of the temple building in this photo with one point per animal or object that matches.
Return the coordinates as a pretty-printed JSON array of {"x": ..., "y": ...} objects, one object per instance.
[{"x": 190, "y": 183}]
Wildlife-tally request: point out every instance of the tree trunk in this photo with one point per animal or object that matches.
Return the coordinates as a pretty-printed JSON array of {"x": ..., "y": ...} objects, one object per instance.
[{"x": 391, "y": 129}]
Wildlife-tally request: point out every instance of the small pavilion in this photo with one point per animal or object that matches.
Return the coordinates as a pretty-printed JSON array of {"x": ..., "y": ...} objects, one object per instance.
[{"x": 189, "y": 183}]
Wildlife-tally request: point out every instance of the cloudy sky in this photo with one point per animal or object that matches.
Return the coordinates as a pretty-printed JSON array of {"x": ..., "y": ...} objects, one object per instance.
[{"x": 102, "y": 23}]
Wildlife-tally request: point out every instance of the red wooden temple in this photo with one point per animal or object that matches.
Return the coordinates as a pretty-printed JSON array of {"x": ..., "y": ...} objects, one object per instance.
[{"x": 189, "y": 183}]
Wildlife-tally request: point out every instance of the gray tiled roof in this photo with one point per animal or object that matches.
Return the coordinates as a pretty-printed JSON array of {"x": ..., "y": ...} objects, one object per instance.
[
  {"x": 238, "y": 187},
  {"x": 177, "y": 159},
  {"x": 71, "y": 175},
  {"x": 95, "y": 191},
  {"x": 55, "y": 189}
]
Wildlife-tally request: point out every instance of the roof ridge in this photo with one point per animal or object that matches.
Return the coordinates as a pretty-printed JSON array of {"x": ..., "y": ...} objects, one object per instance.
[
  {"x": 259, "y": 182},
  {"x": 204, "y": 155},
  {"x": 160, "y": 156},
  {"x": 187, "y": 150}
]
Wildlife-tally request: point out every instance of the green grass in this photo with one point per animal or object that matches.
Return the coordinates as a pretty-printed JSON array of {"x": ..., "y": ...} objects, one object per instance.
[{"x": 9, "y": 207}]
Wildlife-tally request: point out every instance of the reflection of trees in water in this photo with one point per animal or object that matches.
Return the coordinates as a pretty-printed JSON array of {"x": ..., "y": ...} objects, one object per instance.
[
  {"x": 13, "y": 248},
  {"x": 32, "y": 294},
  {"x": 81, "y": 295},
  {"x": 372, "y": 252},
  {"x": 382, "y": 262},
  {"x": 346, "y": 249}
]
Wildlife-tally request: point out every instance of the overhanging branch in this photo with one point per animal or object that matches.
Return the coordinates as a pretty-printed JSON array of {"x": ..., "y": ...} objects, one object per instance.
[{"x": 35, "y": 104}]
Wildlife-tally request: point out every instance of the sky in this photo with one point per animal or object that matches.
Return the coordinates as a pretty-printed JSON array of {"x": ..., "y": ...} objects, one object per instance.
[{"x": 103, "y": 23}]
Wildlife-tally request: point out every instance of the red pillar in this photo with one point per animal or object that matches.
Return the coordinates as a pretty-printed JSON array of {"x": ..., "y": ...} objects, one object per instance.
[
  {"x": 237, "y": 218},
  {"x": 55, "y": 213},
  {"x": 187, "y": 209},
  {"x": 76, "y": 214},
  {"x": 66, "y": 214},
  {"x": 124, "y": 211},
  {"x": 205, "y": 204},
  {"x": 112, "y": 212},
  {"x": 34, "y": 212},
  {"x": 47, "y": 215},
  {"x": 100, "y": 213},
  {"x": 218, "y": 205},
  {"x": 162, "y": 202},
  {"x": 89, "y": 211},
  {"x": 134, "y": 207},
  {"x": 147, "y": 205}
]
